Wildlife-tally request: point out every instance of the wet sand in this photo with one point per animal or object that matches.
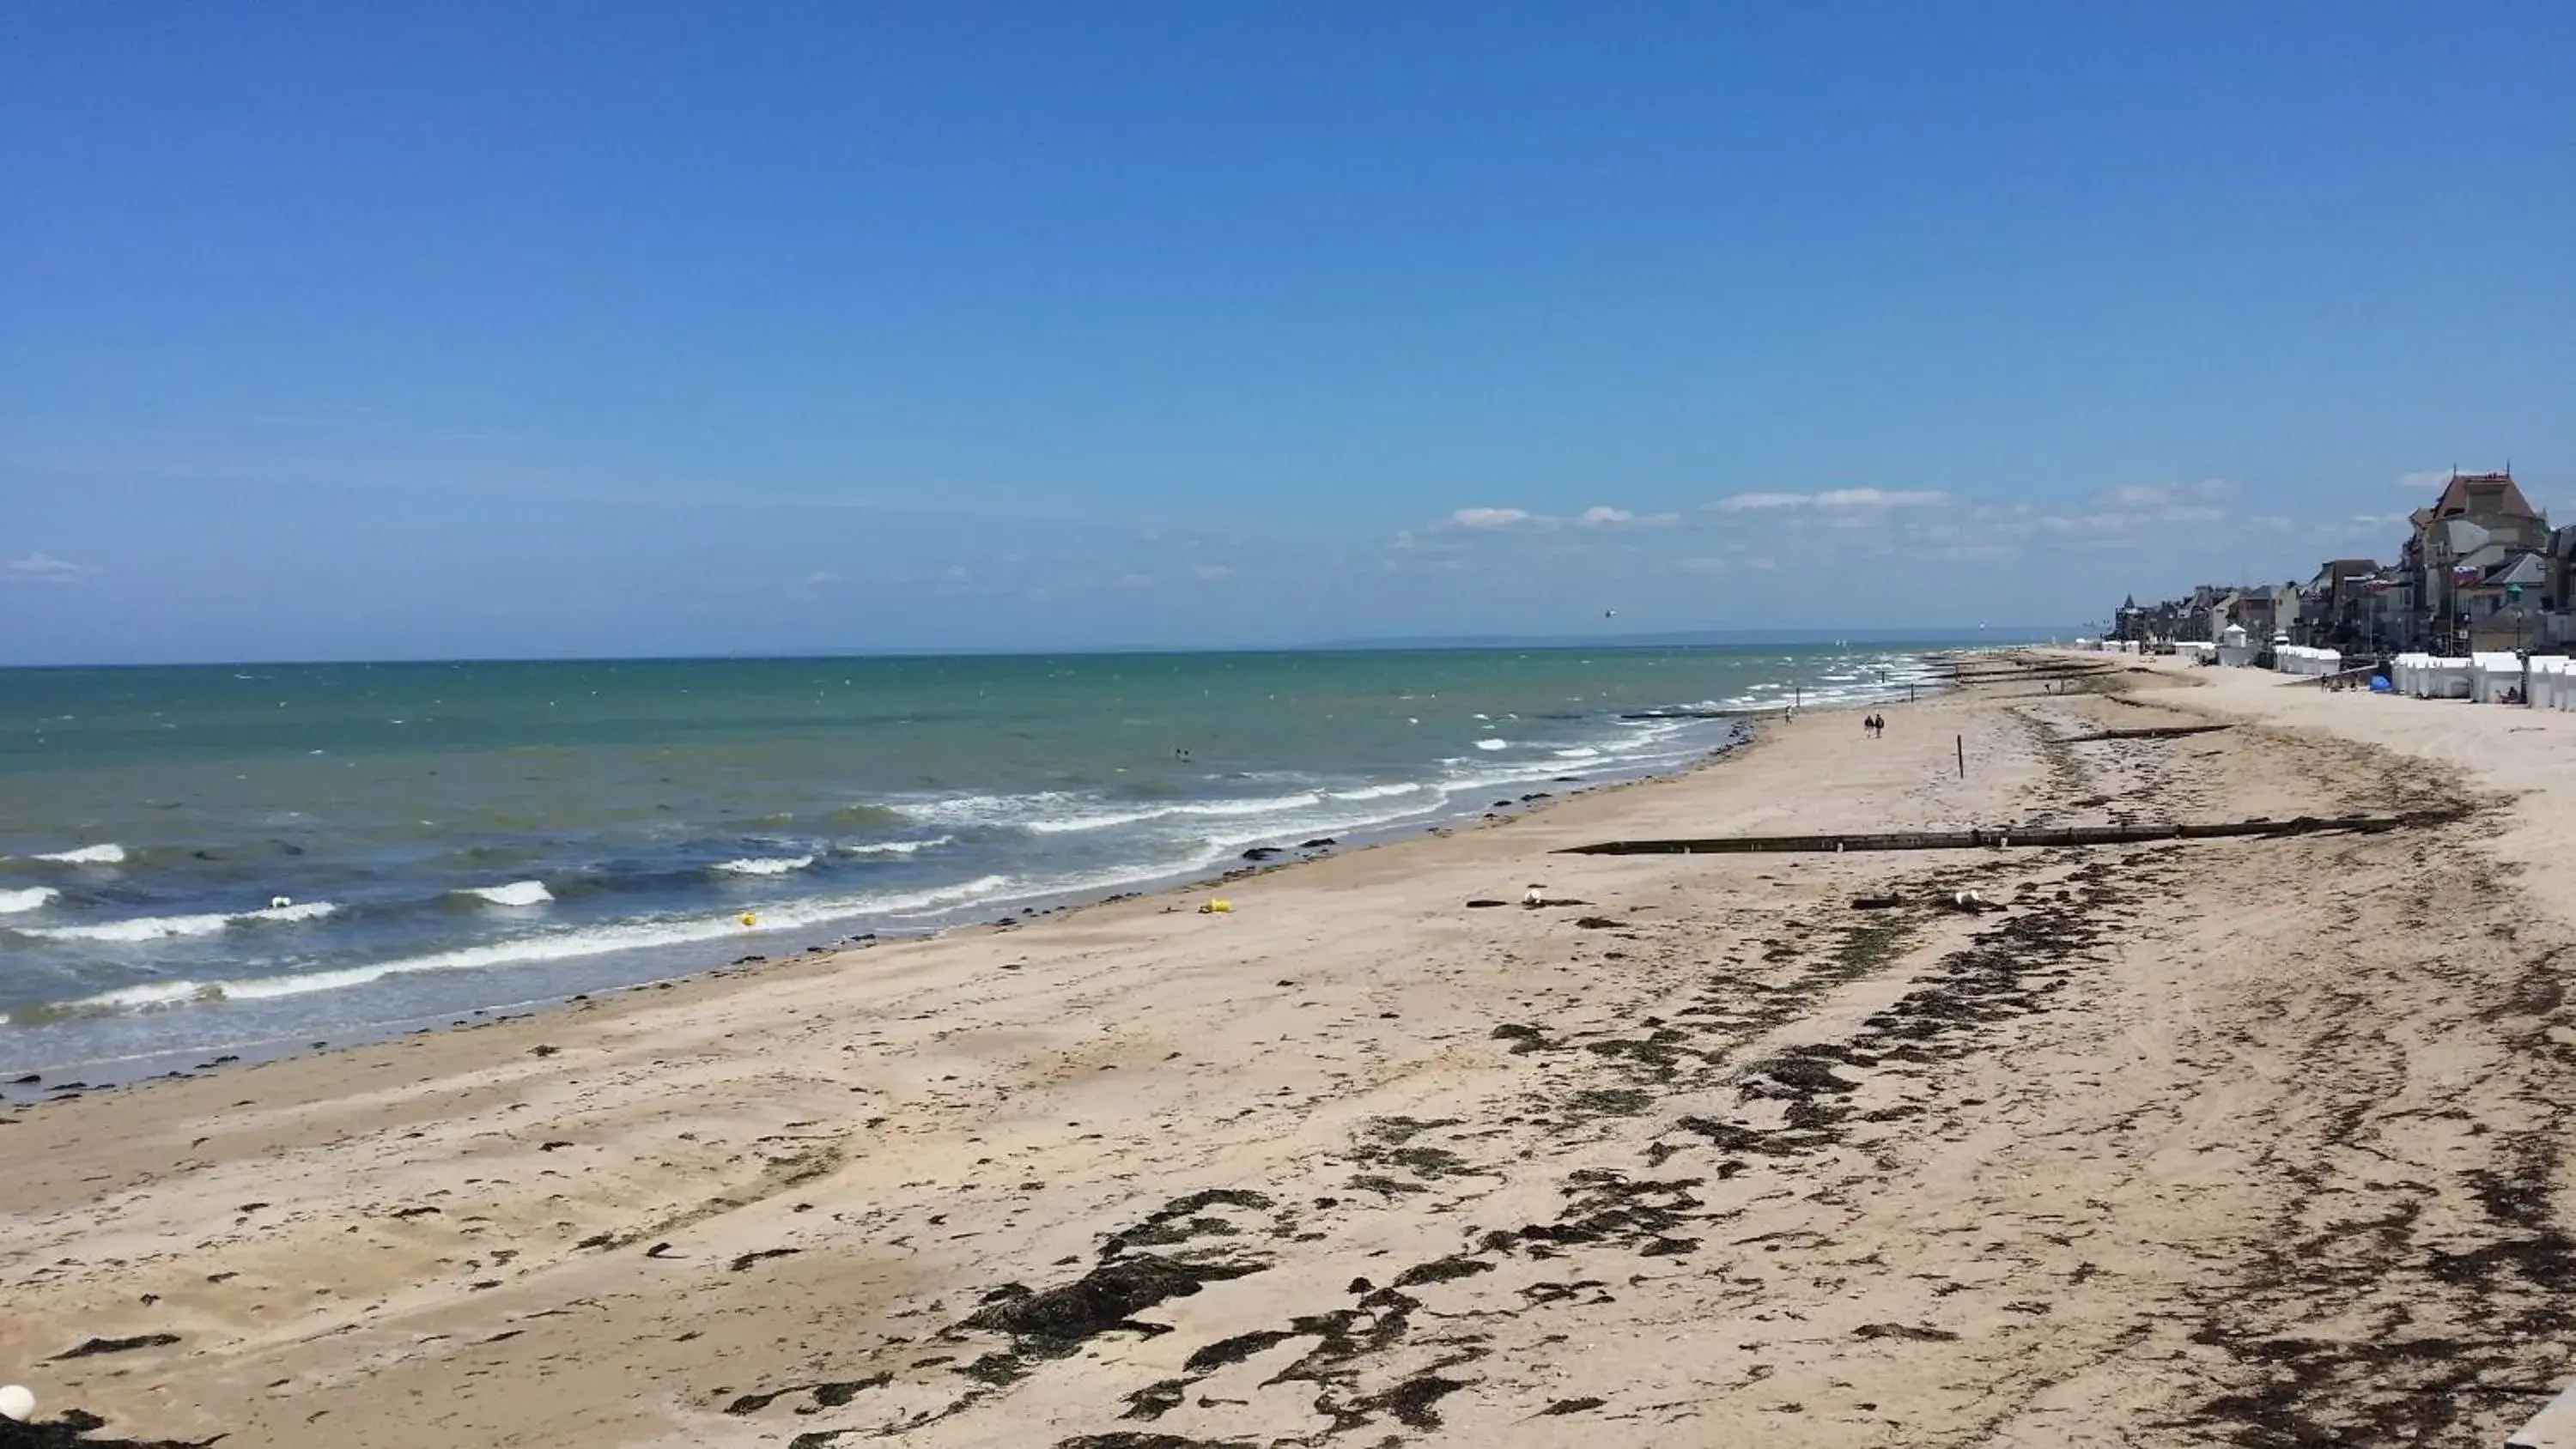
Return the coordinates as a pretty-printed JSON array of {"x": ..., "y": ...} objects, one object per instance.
[{"x": 2229, "y": 1142}]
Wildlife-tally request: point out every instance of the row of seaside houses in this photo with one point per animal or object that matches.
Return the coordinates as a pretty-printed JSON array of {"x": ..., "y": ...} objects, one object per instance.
[{"x": 2480, "y": 572}]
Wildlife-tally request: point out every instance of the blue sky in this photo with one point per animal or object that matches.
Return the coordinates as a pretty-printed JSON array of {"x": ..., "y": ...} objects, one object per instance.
[{"x": 477, "y": 329}]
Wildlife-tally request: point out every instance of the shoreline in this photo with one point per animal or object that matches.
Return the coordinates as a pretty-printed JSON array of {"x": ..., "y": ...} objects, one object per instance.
[
  {"x": 1789, "y": 1168},
  {"x": 122, "y": 1072}
]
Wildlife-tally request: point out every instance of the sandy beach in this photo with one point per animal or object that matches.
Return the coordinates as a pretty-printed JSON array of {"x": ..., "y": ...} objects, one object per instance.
[{"x": 2253, "y": 1141}]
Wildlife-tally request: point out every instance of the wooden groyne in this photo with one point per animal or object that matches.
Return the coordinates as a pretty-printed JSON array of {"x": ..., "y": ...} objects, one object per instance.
[
  {"x": 2149, "y": 732},
  {"x": 2014, "y": 836}
]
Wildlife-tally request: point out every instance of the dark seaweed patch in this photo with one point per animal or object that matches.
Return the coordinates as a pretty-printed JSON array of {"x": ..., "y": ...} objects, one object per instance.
[
  {"x": 1442, "y": 1270},
  {"x": 1184, "y": 1218},
  {"x": 71, "y": 1430},
  {"x": 91, "y": 1348},
  {"x": 1104, "y": 1300},
  {"x": 1124, "y": 1440},
  {"x": 1228, "y": 1351},
  {"x": 1573, "y": 1406}
]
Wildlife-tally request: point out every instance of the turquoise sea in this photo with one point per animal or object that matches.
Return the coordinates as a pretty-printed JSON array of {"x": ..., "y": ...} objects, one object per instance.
[{"x": 200, "y": 861}]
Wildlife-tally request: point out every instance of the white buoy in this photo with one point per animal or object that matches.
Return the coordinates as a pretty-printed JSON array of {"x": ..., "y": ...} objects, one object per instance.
[{"x": 17, "y": 1403}]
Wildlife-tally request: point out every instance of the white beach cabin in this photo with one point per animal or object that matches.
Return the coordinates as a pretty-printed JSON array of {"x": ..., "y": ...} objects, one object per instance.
[
  {"x": 2235, "y": 647},
  {"x": 2493, "y": 676},
  {"x": 2307, "y": 662},
  {"x": 2553, "y": 682}
]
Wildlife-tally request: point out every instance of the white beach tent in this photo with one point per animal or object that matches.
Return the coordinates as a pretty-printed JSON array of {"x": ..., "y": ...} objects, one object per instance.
[
  {"x": 2493, "y": 675},
  {"x": 2302, "y": 659},
  {"x": 2235, "y": 650},
  {"x": 2553, "y": 685},
  {"x": 2446, "y": 678},
  {"x": 2427, "y": 676}
]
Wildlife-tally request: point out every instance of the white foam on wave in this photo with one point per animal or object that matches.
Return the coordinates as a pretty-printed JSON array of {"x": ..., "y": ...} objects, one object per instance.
[
  {"x": 108, "y": 854},
  {"x": 1493, "y": 744},
  {"x": 31, "y": 899},
  {"x": 536, "y": 950},
  {"x": 1062, "y": 813},
  {"x": 516, "y": 893},
  {"x": 154, "y": 928},
  {"x": 1379, "y": 792},
  {"x": 766, "y": 865},
  {"x": 1579, "y": 752},
  {"x": 899, "y": 847}
]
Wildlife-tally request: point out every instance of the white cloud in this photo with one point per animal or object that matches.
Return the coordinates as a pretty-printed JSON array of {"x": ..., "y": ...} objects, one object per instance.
[
  {"x": 820, "y": 578},
  {"x": 1762, "y": 562},
  {"x": 1489, "y": 518},
  {"x": 1212, "y": 572},
  {"x": 1135, "y": 581},
  {"x": 2424, "y": 480},
  {"x": 1744, "y": 502},
  {"x": 1834, "y": 498},
  {"x": 1879, "y": 498},
  {"x": 2123, "y": 512},
  {"x": 2196, "y": 500},
  {"x": 39, "y": 568},
  {"x": 1705, "y": 565},
  {"x": 1605, "y": 516}
]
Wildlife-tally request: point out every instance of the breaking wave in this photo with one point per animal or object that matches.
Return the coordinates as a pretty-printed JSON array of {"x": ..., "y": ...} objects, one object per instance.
[
  {"x": 529, "y": 950},
  {"x": 516, "y": 893},
  {"x": 765, "y": 865},
  {"x": 899, "y": 847},
  {"x": 154, "y": 928},
  {"x": 108, "y": 854}
]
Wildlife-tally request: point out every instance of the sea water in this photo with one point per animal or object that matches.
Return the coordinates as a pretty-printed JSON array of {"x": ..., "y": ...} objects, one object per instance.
[{"x": 250, "y": 859}]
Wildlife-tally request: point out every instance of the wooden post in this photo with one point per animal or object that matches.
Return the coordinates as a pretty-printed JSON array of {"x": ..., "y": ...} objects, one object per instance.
[{"x": 1963, "y": 755}]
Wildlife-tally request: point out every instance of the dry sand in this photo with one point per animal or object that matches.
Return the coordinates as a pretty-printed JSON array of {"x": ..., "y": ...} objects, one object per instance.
[{"x": 2249, "y": 1142}]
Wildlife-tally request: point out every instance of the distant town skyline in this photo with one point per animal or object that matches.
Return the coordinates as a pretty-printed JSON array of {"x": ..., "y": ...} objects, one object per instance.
[
  {"x": 480, "y": 331},
  {"x": 2479, "y": 569}
]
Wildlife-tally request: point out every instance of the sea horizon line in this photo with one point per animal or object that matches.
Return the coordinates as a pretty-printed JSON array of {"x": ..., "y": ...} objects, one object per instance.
[{"x": 1980, "y": 634}]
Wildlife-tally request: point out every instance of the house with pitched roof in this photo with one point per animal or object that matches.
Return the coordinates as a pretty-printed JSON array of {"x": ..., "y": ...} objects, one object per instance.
[
  {"x": 2507, "y": 609},
  {"x": 2480, "y": 521}
]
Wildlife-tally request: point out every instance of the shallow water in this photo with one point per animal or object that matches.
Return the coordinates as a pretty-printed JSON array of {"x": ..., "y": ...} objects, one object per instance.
[{"x": 213, "y": 858}]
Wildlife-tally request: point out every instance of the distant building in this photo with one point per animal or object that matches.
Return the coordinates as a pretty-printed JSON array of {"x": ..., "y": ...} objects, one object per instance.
[
  {"x": 2561, "y": 601},
  {"x": 2480, "y": 521},
  {"x": 2506, "y": 607},
  {"x": 2129, "y": 621},
  {"x": 2332, "y": 608},
  {"x": 2480, "y": 570},
  {"x": 2268, "y": 611}
]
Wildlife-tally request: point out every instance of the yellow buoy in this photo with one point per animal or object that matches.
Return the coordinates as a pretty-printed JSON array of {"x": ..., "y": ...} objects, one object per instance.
[
  {"x": 1216, "y": 908},
  {"x": 749, "y": 919}
]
